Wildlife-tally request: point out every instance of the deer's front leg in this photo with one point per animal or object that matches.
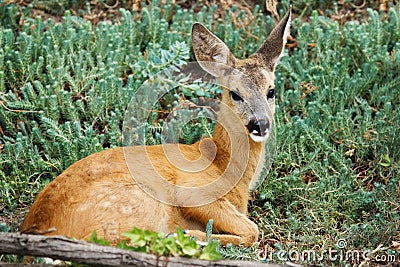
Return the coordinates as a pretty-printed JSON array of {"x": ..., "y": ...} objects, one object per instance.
[{"x": 230, "y": 225}]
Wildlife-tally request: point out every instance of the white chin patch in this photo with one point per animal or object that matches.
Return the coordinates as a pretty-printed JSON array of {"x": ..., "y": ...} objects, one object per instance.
[{"x": 259, "y": 138}]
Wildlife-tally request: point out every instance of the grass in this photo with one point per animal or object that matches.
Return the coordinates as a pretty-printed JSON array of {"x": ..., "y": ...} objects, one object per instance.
[{"x": 64, "y": 87}]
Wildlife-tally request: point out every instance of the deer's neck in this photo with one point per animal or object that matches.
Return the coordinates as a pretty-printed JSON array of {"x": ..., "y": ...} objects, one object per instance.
[
  {"x": 239, "y": 154},
  {"x": 238, "y": 149}
]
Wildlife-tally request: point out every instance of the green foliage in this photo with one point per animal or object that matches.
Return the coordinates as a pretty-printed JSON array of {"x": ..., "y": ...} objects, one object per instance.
[
  {"x": 64, "y": 89},
  {"x": 98, "y": 240},
  {"x": 352, "y": 9},
  {"x": 156, "y": 243}
]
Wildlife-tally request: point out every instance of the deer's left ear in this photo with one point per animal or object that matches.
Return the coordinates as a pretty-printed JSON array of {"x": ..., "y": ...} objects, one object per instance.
[{"x": 272, "y": 48}]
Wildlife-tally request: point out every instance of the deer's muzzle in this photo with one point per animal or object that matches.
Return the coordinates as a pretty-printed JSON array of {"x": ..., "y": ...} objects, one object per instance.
[{"x": 258, "y": 129}]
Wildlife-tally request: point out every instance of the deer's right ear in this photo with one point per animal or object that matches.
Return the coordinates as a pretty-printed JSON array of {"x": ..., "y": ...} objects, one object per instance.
[{"x": 209, "y": 48}]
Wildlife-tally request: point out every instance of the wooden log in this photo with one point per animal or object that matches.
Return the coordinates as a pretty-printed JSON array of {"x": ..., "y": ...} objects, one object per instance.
[{"x": 62, "y": 248}]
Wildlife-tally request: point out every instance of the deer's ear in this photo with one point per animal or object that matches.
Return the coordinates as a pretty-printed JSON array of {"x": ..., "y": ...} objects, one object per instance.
[
  {"x": 212, "y": 54},
  {"x": 272, "y": 48}
]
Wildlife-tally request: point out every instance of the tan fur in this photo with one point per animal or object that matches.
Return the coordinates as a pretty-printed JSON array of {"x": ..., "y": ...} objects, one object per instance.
[{"x": 99, "y": 192}]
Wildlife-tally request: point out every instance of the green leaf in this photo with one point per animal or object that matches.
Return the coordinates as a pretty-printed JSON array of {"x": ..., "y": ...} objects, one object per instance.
[
  {"x": 385, "y": 161},
  {"x": 210, "y": 252},
  {"x": 93, "y": 237},
  {"x": 181, "y": 239},
  {"x": 190, "y": 248},
  {"x": 123, "y": 245},
  {"x": 136, "y": 237},
  {"x": 172, "y": 246},
  {"x": 101, "y": 241}
]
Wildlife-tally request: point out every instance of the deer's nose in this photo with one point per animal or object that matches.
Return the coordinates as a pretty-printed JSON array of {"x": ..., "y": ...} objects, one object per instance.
[{"x": 258, "y": 127}]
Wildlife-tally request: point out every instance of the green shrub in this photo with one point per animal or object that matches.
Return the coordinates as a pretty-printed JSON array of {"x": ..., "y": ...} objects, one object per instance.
[
  {"x": 160, "y": 245},
  {"x": 64, "y": 88}
]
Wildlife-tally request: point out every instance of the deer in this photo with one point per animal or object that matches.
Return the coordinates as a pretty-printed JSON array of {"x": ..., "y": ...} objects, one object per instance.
[{"x": 100, "y": 193}]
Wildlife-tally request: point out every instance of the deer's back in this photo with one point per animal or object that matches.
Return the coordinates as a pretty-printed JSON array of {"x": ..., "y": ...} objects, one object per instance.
[{"x": 99, "y": 193}]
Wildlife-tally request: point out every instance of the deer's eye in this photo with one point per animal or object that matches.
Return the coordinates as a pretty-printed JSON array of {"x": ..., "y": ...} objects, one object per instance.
[
  {"x": 271, "y": 93},
  {"x": 236, "y": 97}
]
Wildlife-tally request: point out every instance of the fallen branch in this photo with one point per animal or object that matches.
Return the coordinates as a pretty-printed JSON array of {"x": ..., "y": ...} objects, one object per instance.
[{"x": 62, "y": 248}]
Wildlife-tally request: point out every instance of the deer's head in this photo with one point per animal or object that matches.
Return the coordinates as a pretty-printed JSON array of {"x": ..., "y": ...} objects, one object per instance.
[{"x": 248, "y": 83}]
